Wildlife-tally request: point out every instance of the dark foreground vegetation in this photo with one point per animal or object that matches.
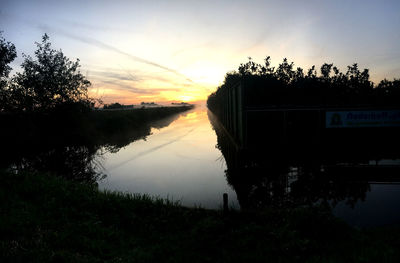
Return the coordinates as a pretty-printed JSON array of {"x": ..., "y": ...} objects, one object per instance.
[{"x": 50, "y": 219}]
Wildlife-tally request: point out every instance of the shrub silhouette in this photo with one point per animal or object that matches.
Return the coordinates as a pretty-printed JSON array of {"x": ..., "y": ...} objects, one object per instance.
[
  {"x": 48, "y": 81},
  {"x": 287, "y": 86},
  {"x": 7, "y": 55}
]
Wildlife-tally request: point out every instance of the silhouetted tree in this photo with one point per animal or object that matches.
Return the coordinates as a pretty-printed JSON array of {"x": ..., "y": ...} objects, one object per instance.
[
  {"x": 283, "y": 85},
  {"x": 7, "y": 55},
  {"x": 312, "y": 73},
  {"x": 326, "y": 70},
  {"x": 48, "y": 81},
  {"x": 285, "y": 72}
]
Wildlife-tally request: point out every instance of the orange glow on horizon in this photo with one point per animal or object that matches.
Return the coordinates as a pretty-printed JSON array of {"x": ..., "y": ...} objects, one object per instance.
[
  {"x": 169, "y": 89},
  {"x": 186, "y": 98}
]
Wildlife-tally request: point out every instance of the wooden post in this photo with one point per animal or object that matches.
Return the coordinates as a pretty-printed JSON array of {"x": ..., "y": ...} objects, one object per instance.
[{"x": 225, "y": 197}]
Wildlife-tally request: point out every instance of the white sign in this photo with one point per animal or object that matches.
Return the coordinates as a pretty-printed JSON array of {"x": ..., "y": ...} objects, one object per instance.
[{"x": 353, "y": 119}]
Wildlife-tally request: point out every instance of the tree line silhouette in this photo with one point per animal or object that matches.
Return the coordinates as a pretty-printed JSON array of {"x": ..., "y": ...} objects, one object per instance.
[
  {"x": 48, "y": 81},
  {"x": 286, "y": 86}
]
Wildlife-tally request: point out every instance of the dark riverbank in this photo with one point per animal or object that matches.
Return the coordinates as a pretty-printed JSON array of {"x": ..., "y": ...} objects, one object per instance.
[
  {"x": 88, "y": 125},
  {"x": 75, "y": 135},
  {"x": 50, "y": 219}
]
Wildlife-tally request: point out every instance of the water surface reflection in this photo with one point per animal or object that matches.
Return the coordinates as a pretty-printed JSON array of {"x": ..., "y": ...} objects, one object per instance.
[
  {"x": 361, "y": 191},
  {"x": 179, "y": 161}
]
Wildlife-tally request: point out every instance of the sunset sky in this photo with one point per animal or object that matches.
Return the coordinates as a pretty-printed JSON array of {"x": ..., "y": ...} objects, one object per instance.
[{"x": 135, "y": 51}]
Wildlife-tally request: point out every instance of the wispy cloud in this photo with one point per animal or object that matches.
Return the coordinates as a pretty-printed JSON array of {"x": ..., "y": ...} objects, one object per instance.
[
  {"x": 124, "y": 87},
  {"x": 114, "y": 75},
  {"x": 99, "y": 44},
  {"x": 91, "y": 27},
  {"x": 119, "y": 85}
]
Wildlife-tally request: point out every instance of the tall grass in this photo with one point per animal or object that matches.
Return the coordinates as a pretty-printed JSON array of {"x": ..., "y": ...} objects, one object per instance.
[{"x": 50, "y": 219}]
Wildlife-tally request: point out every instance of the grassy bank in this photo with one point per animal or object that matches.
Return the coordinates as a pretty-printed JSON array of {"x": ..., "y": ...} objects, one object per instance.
[{"x": 49, "y": 219}]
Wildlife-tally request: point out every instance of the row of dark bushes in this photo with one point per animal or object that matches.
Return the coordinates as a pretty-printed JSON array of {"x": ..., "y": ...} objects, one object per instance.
[{"x": 286, "y": 85}]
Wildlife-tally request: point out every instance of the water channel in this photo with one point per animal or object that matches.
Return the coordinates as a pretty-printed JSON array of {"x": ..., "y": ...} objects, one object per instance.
[
  {"x": 186, "y": 160},
  {"x": 179, "y": 162},
  {"x": 189, "y": 157}
]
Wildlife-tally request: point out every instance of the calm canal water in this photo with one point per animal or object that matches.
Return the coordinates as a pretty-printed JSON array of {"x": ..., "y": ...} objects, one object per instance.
[
  {"x": 186, "y": 161},
  {"x": 178, "y": 162}
]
